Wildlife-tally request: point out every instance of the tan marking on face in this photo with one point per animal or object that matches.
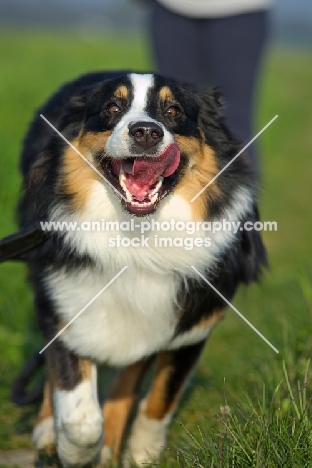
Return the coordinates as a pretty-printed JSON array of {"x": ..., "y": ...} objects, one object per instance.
[
  {"x": 90, "y": 143},
  {"x": 121, "y": 92},
  {"x": 165, "y": 94},
  {"x": 77, "y": 176},
  {"x": 117, "y": 407},
  {"x": 202, "y": 167},
  {"x": 46, "y": 409}
]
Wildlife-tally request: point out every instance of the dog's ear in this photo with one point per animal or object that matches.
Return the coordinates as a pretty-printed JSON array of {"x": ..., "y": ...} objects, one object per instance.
[
  {"x": 211, "y": 103},
  {"x": 95, "y": 102},
  {"x": 211, "y": 122},
  {"x": 77, "y": 103},
  {"x": 74, "y": 111},
  {"x": 213, "y": 99}
]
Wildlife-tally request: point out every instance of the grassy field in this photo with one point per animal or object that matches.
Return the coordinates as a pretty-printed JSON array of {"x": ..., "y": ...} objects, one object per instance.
[{"x": 246, "y": 406}]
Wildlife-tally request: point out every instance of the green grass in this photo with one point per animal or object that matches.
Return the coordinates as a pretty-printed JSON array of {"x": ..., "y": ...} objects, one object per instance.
[{"x": 269, "y": 422}]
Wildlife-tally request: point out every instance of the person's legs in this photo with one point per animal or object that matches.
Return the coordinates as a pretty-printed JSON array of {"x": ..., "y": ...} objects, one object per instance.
[
  {"x": 176, "y": 44},
  {"x": 224, "y": 52},
  {"x": 233, "y": 48}
]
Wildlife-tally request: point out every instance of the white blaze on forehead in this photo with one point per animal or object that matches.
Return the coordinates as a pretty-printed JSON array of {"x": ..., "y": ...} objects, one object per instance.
[{"x": 141, "y": 86}]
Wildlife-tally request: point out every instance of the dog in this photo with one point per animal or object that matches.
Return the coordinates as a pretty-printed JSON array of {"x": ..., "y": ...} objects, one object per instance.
[{"x": 136, "y": 150}]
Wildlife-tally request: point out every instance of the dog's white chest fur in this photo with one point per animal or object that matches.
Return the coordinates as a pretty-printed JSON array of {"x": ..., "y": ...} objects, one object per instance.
[
  {"x": 137, "y": 314},
  {"x": 133, "y": 317}
]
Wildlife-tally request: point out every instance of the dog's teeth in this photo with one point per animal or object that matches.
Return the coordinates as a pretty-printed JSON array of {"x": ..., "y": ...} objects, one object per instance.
[
  {"x": 122, "y": 176},
  {"x": 154, "y": 198},
  {"x": 144, "y": 204},
  {"x": 128, "y": 194},
  {"x": 158, "y": 185}
]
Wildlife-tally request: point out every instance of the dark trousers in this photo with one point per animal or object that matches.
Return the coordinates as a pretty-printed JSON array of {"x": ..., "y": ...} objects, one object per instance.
[{"x": 224, "y": 52}]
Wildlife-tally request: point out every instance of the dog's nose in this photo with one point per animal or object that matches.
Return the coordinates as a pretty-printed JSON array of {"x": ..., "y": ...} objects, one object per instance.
[{"x": 146, "y": 134}]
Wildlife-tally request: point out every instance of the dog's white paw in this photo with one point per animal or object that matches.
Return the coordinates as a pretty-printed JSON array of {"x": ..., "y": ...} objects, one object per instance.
[
  {"x": 83, "y": 426},
  {"x": 79, "y": 426},
  {"x": 79, "y": 443},
  {"x": 43, "y": 434},
  {"x": 147, "y": 440},
  {"x": 80, "y": 436}
]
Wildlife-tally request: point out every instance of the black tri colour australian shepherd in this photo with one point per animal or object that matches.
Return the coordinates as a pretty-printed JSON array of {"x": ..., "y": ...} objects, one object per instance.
[{"x": 141, "y": 149}]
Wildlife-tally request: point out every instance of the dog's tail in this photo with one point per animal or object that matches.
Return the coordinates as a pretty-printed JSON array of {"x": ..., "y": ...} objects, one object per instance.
[{"x": 19, "y": 393}]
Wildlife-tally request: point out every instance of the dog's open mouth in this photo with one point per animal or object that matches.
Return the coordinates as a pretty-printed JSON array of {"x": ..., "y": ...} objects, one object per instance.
[{"x": 144, "y": 181}]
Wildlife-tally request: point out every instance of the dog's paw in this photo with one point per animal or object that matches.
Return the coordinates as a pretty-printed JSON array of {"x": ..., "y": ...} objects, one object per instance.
[
  {"x": 80, "y": 437},
  {"x": 147, "y": 440},
  {"x": 74, "y": 455},
  {"x": 79, "y": 430},
  {"x": 83, "y": 426},
  {"x": 43, "y": 435}
]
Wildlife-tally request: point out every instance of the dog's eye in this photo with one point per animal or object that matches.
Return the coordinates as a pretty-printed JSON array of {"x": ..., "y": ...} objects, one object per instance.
[
  {"x": 113, "y": 108},
  {"x": 172, "y": 111}
]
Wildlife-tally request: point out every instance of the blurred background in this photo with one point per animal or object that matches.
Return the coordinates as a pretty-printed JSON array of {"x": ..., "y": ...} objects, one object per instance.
[
  {"x": 43, "y": 44},
  {"x": 291, "y": 21}
]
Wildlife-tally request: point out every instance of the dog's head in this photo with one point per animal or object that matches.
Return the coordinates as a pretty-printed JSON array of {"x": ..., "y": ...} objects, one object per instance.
[
  {"x": 140, "y": 156},
  {"x": 146, "y": 135}
]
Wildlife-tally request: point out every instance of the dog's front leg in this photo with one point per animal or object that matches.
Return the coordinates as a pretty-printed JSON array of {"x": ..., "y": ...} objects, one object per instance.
[
  {"x": 77, "y": 415},
  {"x": 149, "y": 431}
]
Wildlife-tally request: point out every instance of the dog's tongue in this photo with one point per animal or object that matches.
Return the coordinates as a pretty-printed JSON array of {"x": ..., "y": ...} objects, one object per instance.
[{"x": 143, "y": 173}]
